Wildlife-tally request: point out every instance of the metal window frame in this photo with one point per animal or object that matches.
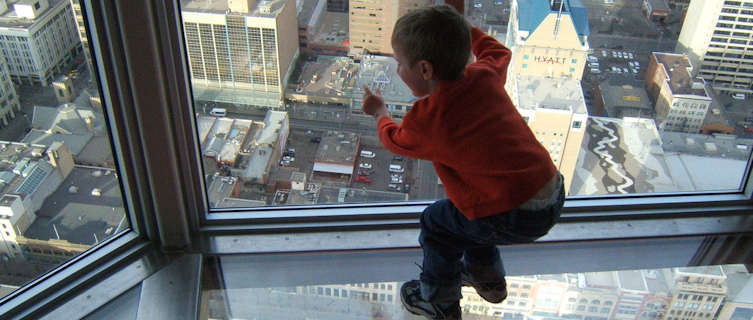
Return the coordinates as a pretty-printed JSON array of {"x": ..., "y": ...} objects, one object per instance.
[{"x": 142, "y": 64}]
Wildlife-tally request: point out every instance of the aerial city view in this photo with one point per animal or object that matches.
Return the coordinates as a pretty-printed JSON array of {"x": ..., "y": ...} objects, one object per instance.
[{"x": 626, "y": 97}]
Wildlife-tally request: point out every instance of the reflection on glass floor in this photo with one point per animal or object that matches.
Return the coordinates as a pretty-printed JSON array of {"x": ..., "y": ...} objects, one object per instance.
[{"x": 366, "y": 286}]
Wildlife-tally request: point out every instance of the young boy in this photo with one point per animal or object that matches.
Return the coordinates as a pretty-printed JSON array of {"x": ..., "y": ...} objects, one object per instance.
[{"x": 502, "y": 185}]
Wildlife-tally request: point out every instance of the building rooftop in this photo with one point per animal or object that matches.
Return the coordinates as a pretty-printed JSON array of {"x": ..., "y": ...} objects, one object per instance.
[
  {"x": 632, "y": 280},
  {"x": 659, "y": 4},
  {"x": 260, "y": 8},
  {"x": 80, "y": 217},
  {"x": 625, "y": 98},
  {"x": 711, "y": 271},
  {"x": 531, "y": 13},
  {"x": 535, "y": 92},
  {"x": 678, "y": 70},
  {"x": 338, "y": 148},
  {"x": 715, "y": 145},
  {"x": 11, "y": 19},
  {"x": 380, "y": 72}
]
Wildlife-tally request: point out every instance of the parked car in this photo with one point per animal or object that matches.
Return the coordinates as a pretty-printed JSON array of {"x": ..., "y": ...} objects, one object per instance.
[
  {"x": 397, "y": 158},
  {"x": 367, "y": 154},
  {"x": 316, "y": 139},
  {"x": 407, "y": 188},
  {"x": 398, "y": 179},
  {"x": 738, "y": 96},
  {"x": 365, "y": 165},
  {"x": 396, "y": 168},
  {"x": 363, "y": 179},
  {"x": 394, "y": 186}
]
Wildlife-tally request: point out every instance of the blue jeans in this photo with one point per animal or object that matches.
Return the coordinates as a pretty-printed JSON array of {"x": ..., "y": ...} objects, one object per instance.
[{"x": 450, "y": 240}]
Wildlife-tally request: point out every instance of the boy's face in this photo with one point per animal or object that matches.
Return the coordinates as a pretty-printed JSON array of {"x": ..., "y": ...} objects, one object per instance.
[{"x": 417, "y": 77}]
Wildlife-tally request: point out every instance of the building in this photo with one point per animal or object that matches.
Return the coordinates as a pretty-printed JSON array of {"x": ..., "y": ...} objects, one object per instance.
[
  {"x": 240, "y": 51},
  {"x": 682, "y": 100},
  {"x": 371, "y": 23},
  {"x": 38, "y": 37},
  {"x": 622, "y": 97},
  {"x": 548, "y": 38},
  {"x": 380, "y": 73},
  {"x": 656, "y": 10},
  {"x": 336, "y": 158},
  {"x": 25, "y": 184},
  {"x": 555, "y": 110},
  {"x": 9, "y": 103},
  {"x": 739, "y": 301},
  {"x": 698, "y": 293},
  {"x": 716, "y": 43}
]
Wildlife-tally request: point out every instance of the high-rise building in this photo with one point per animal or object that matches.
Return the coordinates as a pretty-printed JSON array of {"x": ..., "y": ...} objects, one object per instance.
[
  {"x": 371, "y": 23},
  {"x": 682, "y": 100},
  {"x": 549, "y": 38},
  {"x": 37, "y": 38},
  {"x": 9, "y": 104},
  {"x": 555, "y": 110},
  {"x": 717, "y": 43},
  {"x": 240, "y": 51},
  {"x": 698, "y": 293}
]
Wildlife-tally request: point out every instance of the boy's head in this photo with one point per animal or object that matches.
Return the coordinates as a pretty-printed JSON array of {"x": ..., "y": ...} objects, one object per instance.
[{"x": 437, "y": 34}]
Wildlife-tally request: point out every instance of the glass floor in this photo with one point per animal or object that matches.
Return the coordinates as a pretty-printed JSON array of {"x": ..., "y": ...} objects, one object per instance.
[{"x": 365, "y": 285}]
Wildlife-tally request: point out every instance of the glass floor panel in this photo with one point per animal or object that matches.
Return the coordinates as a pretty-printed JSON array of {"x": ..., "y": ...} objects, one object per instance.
[{"x": 365, "y": 285}]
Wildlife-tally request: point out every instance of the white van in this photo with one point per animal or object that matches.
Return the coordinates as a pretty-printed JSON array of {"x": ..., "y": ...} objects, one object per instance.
[
  {"x": 738, "y": 96},
  {"x": 367, "y": 154},
  {"x": 396, "y": 168},
  {"x": 218, "y": 112}
]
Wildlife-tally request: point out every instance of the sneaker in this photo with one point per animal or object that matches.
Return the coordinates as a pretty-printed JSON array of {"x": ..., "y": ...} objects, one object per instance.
[
  {"x": 494, "y": 291},
  {"x": 410, "y": 295}
]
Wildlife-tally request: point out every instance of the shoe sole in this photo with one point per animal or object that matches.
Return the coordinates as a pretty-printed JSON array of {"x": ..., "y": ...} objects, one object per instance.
[
  {"x": 487, "y": 298},
  {"x": 408, "y": 307}
]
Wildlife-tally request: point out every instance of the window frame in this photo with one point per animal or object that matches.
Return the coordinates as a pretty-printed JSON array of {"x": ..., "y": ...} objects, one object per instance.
[{"x": 141, "y": 60}]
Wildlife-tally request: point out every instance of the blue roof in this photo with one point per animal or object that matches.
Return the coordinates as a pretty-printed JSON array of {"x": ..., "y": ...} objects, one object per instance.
[{"x": 532, "y": 12}]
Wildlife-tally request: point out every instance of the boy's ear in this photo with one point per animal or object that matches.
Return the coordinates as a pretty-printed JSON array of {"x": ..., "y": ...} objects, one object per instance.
[{"x": 427, "y": 69}]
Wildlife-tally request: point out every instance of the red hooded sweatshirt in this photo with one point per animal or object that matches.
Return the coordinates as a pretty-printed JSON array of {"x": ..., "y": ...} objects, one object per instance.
[{"x": 483, "y": 151}]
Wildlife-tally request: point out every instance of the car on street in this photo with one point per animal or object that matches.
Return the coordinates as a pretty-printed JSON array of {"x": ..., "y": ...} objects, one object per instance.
[
  {"x": 630, "y": 55},
  {"x": 738, "y": 96},
  {"x": 365, "y": 165},
  {"x": 394, "y": 186},
  {"x": 407, "y": 188},
  {"x": 477, "y": 4},
  {"x": 316, "y": 139},
  {"x": 367, "y": 154},
  {"x": 396, "y": 168},
  {"x": 398, "y": 179}
]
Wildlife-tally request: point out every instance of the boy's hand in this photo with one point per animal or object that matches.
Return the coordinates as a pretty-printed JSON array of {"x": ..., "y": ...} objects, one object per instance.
[{"x": 373, "y": 104}]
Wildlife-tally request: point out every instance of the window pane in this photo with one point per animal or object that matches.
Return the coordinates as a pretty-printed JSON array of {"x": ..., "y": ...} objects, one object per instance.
[
  {"x": 59, "y": 189},
  {"x": 605, "y": 87}
]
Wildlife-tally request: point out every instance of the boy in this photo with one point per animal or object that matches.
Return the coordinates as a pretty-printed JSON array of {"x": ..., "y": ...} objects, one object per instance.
[{"x": 502, "y": 185}]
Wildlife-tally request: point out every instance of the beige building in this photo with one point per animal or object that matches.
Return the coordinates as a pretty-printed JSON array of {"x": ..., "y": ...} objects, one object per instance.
[
  {"x": 556, "y": 112},
  {"x": 9, "y": 103},
  {"x": 698, "y": 293},
  {"x": 682, "y": 101},
  {"x": 371, "y": 23},
  {"x": 240, "y": 52},
  {"x": 548, "y": 38},
  {"x": 717, "y": 42}
]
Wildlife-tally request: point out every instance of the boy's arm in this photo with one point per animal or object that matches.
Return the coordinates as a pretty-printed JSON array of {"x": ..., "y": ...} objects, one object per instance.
[
  {"x": 489, "y": 51},
  {"x": 399, "y": 140}
]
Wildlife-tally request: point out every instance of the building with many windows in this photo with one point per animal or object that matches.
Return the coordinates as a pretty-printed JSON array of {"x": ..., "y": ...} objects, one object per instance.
[
  {"x": 556, "y": 113},
  {"x": 718, "y": 43},
  {"x": 682, "y": 101},
  {"x": 37, "y": 37},
  {"x": 371, "y": 23},
  {"x": 9, "y": 104},
  {"x": 240, "y": 52},
  {"x": 697, "y": 294}
]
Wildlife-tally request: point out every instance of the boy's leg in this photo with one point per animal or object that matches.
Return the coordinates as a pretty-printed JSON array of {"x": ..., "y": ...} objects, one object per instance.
[{"x": 437, "y": 294}]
